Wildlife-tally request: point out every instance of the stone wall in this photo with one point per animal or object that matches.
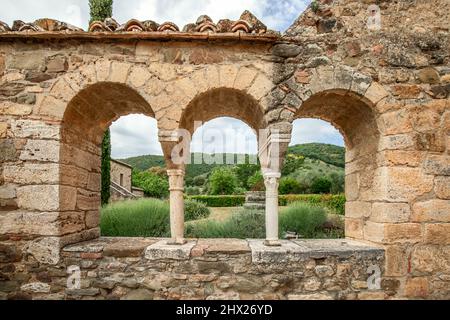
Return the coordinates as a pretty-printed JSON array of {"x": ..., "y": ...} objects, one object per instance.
[
  {"x": 118, "y": 169},
  {"x": 387, "y": 91},
  {"x": 113, "y": 268}
]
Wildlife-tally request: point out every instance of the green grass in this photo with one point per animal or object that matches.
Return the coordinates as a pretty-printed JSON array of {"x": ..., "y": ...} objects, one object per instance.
[
  {"x": 306, "y": 220},
  {"x": 136, "y": 218},
  {"x": 150, "y": 218},
  {"x": 241, "y": 225}
]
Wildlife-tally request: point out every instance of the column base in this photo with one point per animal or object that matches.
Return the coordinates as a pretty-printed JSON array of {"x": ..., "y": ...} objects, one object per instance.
[
  {"x": 272, "y": 243},
  {"x": 177, "y": 242}
]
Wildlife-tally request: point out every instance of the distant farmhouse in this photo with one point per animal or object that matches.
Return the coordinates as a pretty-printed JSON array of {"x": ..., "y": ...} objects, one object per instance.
[{"x": 121, "y": 187}]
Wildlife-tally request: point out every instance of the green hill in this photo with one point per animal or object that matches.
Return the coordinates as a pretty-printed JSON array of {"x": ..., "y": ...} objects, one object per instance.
[{"x": 327, "y": 153}]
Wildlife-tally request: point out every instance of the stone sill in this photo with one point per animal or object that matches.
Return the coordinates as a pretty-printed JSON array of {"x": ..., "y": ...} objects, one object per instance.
[
  {"x": 167, "y": 36},
  {"x": 159, "y": 249}
]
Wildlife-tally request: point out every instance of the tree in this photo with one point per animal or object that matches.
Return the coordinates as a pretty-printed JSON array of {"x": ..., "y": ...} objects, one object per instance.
[
  {"x": 244, "y": 172},
  {"x": 292, "y": 163},
  {"x": 222, "y": 181},
  {"x": 100, "y": 9},
  {"x": 154, "y": 185},
  {"x": 289, "y": 186},
  {"x": 321, "y": 185},
  {"x": 106, "y": 168}
]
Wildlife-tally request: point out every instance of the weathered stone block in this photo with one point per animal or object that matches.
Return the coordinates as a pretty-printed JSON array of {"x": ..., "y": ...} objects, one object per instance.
[
  {"x": 399, "y": 184},
  {"x": 128, "y": 247},
  {"x": 285, "y": 50},
  {"x": 354, "y": 228},
  {"x": 438, "y": 233},
  {"x": 244, "y": 78},
  {"x": 357, "y": 209},
  {"x": 33, "y": 60},
  {"x": 417, "y": 287},
  {"x": 3, "y": 129},
  {"x": 92, "y": 219},
  {"x": 56, "y": 64},
  {"x": 429, "y": 258},
  {"x": 41, "y": 150},
  {"x": 119, "y": 72},
  {"x": 312, "y": 296},
  {"x": 375, "y": 93},
  {"x": 46, "y": 250},
  {"x": 36, "y": 287},
  {"x": 431, "y": 211},
  {"x": 390, "y": 233},
  {"x": 34, "y": 129},
  {"x": 396, "y": 260},
  {"x": 438, "y": 165},
  {"x": 442, "y": 187},
  {"x": 390, "y": 212},
  {"x": 88, "y": 200},
  {"x": 47, "y": 198},
  {"x": 52, "y": 107},
  {"x": 14, "y": 109},
  {"x": 163, "y": 250}
]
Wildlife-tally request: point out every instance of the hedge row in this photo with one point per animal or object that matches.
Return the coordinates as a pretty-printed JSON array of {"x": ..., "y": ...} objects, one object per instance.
[
  {"x": 333, "y": 202},
  {"x": 220, "y": 201}
]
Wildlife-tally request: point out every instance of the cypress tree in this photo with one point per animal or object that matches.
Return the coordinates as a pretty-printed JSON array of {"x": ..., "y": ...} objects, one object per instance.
[
  {"x": 106, "y": 167},
  {"x": 100, "y": 10}
]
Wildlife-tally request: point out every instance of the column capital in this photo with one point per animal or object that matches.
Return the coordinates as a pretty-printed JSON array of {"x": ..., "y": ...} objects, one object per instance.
[{"x": 270, "y": 174}]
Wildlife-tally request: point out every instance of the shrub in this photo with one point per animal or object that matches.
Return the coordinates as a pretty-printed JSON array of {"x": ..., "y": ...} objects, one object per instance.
[
  {"x": 241, "y": 225},
  {"x": 193, "y": 191},
  {"x": 321, "y": 185},
  {"x": 136, "y": 218},
  {"x": 304, "y": 219},
  {"x": 194, "y": 210},
  {"x": 289, "y": 186},
  {"x": 335, "y": 203},
  {"x": 199, "y": 181},
  {"x": 256, "y": 182},
  {"x": 154, "y": 185},
  {"x": 222, "y": 181},
  {"x": 221, "y": 201}
]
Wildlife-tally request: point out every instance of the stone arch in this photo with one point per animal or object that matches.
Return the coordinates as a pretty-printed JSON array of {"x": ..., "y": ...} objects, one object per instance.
[
  {"x": 355, "y": 117},
  {"x": 87, "y": 115},
  {"x": 223, "y": 102}
]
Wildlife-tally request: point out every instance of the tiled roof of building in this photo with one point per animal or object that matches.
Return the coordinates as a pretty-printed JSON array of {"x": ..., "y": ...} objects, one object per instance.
[{"x": 247, "y": 24}]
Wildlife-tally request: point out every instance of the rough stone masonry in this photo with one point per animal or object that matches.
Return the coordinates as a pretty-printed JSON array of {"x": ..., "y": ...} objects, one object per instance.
[{"x": 386, "y": 90}]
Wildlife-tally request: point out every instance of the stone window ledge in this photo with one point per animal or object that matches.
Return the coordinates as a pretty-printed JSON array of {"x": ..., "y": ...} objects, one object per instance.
[{"x": 159, "y": 249}]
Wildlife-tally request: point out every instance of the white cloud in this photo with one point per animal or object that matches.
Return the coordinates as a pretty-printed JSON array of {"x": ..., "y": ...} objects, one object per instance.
[
  {"x": 224, "y": 135},
  {"x": 313, "y": 130},
  {"x": 134, "y": 135}
]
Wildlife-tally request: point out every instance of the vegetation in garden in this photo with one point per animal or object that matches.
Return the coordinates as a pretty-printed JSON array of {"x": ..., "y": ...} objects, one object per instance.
[
  {"x": 145, "y": 217},
  {"x": 136, "y": 218},
  {"x": 307, "y": 221}
]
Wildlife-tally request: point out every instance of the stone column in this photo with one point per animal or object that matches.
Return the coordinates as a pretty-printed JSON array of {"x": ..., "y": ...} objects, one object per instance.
[
  {"x": 273, "y": 145},
  {"x": 271, "y": 181},
  {"x": 176, "y": 188}
]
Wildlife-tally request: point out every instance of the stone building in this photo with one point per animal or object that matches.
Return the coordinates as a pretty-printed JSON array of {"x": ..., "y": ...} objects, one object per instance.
[
  {"x": 386, "y": 89},
  {"x": 121, "y": 186}
]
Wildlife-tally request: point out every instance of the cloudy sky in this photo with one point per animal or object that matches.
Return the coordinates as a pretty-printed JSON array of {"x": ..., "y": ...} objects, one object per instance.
[{"x": 137, "y": 135}]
